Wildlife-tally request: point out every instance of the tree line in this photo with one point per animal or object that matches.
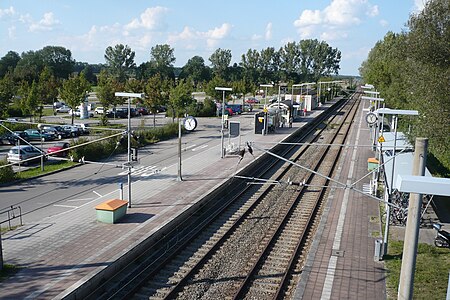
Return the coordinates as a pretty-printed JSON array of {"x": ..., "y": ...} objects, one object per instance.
[
  {"x": 34, "y": 78},
  {"x": 411, "y": 69}
]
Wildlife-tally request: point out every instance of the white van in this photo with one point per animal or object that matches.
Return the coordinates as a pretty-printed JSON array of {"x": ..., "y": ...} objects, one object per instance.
[{"x": 19, "y": 153}]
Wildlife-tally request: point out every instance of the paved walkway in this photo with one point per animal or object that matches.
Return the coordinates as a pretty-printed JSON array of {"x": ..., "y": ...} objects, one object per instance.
[
  {"x": 341, "y": 264},
  {"x": 58, "y": 254}
]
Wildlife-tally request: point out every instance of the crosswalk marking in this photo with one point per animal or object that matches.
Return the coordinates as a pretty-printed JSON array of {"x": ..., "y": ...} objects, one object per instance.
[
  {"x": 142, "y": 171},
  {"x": 366, "y": 188}
]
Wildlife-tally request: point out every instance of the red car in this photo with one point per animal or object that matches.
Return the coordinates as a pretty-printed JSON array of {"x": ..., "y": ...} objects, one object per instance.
[
  {"x": 252, "y": 100},
  {"x": 58, "y": 147}
]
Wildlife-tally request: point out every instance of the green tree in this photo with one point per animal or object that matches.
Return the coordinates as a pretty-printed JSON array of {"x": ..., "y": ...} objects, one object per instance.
[
  {"x": 6, "y": 93},
  {"x": 48, "y": 86},
  {"x": 31, "y": 104},
  {"x": 8, "y": 63},
  {"x": 156, "y": 94},
  {"x": 161, "y": 61},
  {"x": 429, "y": 63},
  {"x": 105, "y": 93},
  {"x": 180, "y": 99},
  {"x": 58, "y": 59},
  {"x": 74, "y": 90},
  {"x": 220, "y": 61},
  {"x": 29, "y": 67},
  {"x": 120, "y": 61},
  {"x": 195, "y": 70}
]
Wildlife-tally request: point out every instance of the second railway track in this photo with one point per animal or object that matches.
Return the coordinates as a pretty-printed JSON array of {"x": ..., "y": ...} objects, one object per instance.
[{"x": 252, "y": 244}]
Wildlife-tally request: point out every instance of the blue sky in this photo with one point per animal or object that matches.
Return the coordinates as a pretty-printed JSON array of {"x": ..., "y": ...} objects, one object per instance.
[{"x": 199, "y": 27}]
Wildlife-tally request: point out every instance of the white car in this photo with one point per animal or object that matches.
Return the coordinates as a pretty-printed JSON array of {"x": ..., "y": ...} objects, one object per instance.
[
  {"x": 63, "y": 109},
  {"x": 74, "y": 112},
  {"x": 99, "y": 110}
]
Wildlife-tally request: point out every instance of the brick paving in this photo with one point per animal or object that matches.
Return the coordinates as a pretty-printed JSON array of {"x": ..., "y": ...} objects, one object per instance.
[{"x": 341, "y": 264}]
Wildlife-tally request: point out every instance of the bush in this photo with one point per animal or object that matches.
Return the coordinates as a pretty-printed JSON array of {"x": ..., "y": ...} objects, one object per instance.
[{"x": 6, "y": 173}]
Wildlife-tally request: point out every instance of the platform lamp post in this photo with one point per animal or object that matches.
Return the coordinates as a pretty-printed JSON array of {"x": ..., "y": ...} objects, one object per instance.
[
  {"x": 129, "y": 96},
  {"x": 395, "y": 113},
  {"x": 417, "y": 185},
  {"x": 223, "y": 89},
  {"x": 265, "y": 95}
]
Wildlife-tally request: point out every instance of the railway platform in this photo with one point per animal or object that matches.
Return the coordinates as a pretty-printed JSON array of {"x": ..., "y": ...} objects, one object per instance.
[{"x": 58, "y": 255}]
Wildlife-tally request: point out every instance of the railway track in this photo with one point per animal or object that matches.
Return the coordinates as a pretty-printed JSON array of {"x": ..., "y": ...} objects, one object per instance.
[{"x": 251, "y": 245}]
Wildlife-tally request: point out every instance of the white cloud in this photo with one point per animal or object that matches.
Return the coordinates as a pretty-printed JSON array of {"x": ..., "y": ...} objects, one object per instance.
[
  {"x": 384, "y": 23},
  {"x": 150, "y": 19},
  {"x": 333, "y": 19},
  {"x": 191, "y": 39},
  {"x": 12, "y": 32},
  {"x": 7, "y": 12},
  {"x": 268, "y": 34},
  {"x": 309, "y": 17},
  {"x": 45, "y": 24}
]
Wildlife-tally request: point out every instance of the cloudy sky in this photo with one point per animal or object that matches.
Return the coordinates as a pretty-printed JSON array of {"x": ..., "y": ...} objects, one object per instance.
[{"x": 198, "y": 27}]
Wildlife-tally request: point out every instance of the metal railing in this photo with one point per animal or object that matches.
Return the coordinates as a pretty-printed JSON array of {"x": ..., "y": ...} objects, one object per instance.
[{"x": 13, "y": 212}]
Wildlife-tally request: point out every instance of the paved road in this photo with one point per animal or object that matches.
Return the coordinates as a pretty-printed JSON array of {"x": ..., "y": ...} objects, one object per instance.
[{"x": 64, "y": 191}]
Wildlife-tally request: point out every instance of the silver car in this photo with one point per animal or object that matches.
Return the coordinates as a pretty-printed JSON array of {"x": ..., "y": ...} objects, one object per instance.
[{"x": 20, "y": 153}]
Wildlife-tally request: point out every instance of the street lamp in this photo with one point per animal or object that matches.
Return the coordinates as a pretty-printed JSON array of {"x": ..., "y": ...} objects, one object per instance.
[
  {"x": 223, "y": 89},
  {"x": 129, "y": 96}
]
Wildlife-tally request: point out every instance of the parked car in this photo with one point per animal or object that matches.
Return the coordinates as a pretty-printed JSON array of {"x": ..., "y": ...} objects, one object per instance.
[
  {"x": 118, "y": 113},
  {"x": 237, "y": 108},
  {"x": 75, "y": 112},
  {"x": 248, "y": 107},
  {"x": 252, "y": 100},
  {"x": 142, "y": 111},
  {"x": 12, "y": 138},
  {"x": 73, "y": 131},
  {"x": 63, "y": 109},
  {"x": 20, "y": 153},
  {"x": 58, "y": 148},
  {"x": 83, "y": 128},
  {"x": 58, "y": 104},
  {"x": 228, "y": 111},
  {"x": 58, "y": 131},
  {"x": 99, "y": 110},
  {"x": 35, "y": 134}
]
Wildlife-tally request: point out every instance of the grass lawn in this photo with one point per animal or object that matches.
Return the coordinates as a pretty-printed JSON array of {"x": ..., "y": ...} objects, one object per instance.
[
  {"x": 431, "y": 275},
  {"x": 32, "y": 172}
]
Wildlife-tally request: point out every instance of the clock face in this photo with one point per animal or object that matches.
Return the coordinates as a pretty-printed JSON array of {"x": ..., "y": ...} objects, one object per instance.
[
  {"x": 190, "y": 123},
  {"x": 371, "y": 118}
]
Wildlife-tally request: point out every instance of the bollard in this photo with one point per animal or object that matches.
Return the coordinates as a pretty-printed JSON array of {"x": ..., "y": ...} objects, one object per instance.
[
  {"x": 378, "y": 250},
  {"x": 121, "y": 191}
]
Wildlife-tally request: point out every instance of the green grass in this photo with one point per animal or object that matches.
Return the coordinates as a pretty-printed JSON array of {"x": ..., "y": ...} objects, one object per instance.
[
  {"x": 431, "y": 274},
  {"x": 8, "y": 270},
  {"x": 32, "y": 172}
]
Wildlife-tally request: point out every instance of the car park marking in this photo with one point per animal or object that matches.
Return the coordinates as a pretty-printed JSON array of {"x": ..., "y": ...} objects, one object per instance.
[
  {"x": 200, "y": 147},
  {"x": 65, "y": 206},
  {"x": 98, "y": 194},
  {"x": 83, "y": 199},
  {"x": 189, "y": 147}
]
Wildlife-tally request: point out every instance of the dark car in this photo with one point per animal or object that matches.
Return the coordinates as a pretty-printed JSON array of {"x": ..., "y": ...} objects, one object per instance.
[
  {"x": 58, "y": 131},
  {"x": 118, "y": 113},
  {"x": 142, "y": 111},
  {"x": 12, "y": 138}
]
